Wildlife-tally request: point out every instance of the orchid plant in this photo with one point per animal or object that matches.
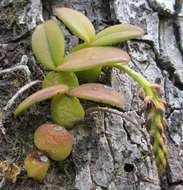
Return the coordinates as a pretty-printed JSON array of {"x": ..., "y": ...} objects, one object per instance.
[{"x": 84, "y": 62}]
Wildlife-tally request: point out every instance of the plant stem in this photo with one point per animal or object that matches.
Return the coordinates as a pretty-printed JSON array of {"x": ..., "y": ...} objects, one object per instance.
[{"x": 137, "y": 77}]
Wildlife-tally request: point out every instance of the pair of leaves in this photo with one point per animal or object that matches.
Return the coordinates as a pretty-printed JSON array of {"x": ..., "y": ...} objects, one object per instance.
[
  {"x": 81, "y": 26},
  {"x": 48, "y": 47},
  {"x": 95, "y": 92},
  {"x": 48, "y": 39}
]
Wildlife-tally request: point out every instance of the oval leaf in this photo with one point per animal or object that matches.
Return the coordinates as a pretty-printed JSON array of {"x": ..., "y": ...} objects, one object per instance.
[
  {"x": 54, "y": 78},
  {"x": 116, "y": 34},
  {"x": 98, "y": 93},
  {"x": 78, "y": 23},
  {"x": 39, "y": 96},
  {"x": 48, "y": 44},
  {"x": 92, "y": 57}
]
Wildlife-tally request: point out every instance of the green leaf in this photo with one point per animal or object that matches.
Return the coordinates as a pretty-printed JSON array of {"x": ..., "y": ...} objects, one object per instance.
[
  {"x": 48, "y": 44},
  {"x": 39, "y": 96},
  {"x": 98, "y": 93},
  {"x": 90, "y": 75},
  {"x": 78, "y": 23},
  {"x": 67, "y": 78},
  {"x": 116, "y": 34},
  {"x": 66, "y": 110},
  {"x": 92, "y": 57}
]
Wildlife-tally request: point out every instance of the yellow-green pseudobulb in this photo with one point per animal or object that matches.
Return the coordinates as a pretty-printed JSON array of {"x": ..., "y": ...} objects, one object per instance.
[
  {"x": 66, "y": 110},
  {"x": 36, "y": 165}
]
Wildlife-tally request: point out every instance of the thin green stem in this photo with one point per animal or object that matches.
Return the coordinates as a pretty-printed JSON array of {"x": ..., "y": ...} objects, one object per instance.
[{"x": 137, "y": 77}]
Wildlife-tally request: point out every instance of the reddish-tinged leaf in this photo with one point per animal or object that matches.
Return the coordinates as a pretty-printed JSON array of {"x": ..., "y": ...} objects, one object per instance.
[
  {"x": 92, "y": 57},
  {"x": 98, "y": 93},
  {"x": 40, "y": 96},
  {"x": 116, "y": 34},
  {"x": 48, "y": 44},
  {"x": 78, "y": 23}
]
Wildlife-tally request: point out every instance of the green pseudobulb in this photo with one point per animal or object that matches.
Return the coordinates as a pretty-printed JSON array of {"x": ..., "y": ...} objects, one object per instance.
[
  {"x": 67, "y": 78},
  {"x": 66, "y": 110},
  {"x": 90, "y": 75},
  {"x": 36, "y": 165}
]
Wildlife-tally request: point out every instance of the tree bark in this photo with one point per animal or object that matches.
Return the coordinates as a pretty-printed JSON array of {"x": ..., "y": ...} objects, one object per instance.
[{"x": 110, "y": 153}]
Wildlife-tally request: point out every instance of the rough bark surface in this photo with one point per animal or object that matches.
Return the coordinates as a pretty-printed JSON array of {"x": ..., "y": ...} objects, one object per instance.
[{"x": 110, "y": 152}]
